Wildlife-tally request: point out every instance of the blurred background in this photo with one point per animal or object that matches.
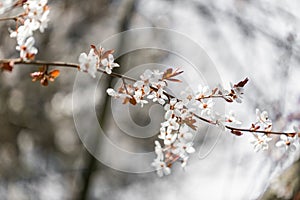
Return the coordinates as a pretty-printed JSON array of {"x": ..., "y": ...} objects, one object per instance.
[{"x": 42, "y": 156}]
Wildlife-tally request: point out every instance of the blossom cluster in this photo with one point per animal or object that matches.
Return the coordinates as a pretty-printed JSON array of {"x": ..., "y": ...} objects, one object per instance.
[
  {"x": 261, "y": 139},
  {"x": 177, "y": 135},
  {"x": 181, "y": 116},
  {"x": 177, "y": 131},
  {"x": 97, "y": 59},
  {"x": 35, "y": 17}
]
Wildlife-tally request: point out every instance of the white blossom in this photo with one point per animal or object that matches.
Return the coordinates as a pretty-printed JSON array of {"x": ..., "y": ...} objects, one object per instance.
[
  {"x": 111, "y": 92},
  {"x": 88, "y": 63},
  {"x": 173, "y": 108},
  {"x": 161, "y": 168},
  {"x": 159, "y": 151},
  {"x": 44, "y": 21},
  {"x": 232, "y": 119},
  {"x": 182, "y": 148},
  {"x": 289, "y": 143},
  {"x": 170, "y": 125},
  {"x": 263, "y": 118},
  {"x": 37, "y": 13},
  {"x": 23, "y": 32},
  {"x": 260, "y": 142},
  {"x": 27, "y": 50},
  {"x": 158, "y": 96},
  {"x": 170, "y": 138},
  {"x": 184, "y": 161},
  {"x": 139, "y": 97},
  {"x": 203, "y": 91},
  {"x": 206, "y": 107},
  {"x": 184, "y": 133},
  {"x": 188, "y": 97},
  {"x": 109, "y": 63},
  {"x": 35, "y": 17}
]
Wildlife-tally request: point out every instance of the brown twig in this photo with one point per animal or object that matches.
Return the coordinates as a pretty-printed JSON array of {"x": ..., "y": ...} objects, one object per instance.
[{"x": 13, "y": 18}]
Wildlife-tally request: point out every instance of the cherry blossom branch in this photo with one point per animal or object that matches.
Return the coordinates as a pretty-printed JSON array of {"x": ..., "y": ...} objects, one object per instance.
[
  {"x": 59, "y": 64},
  {"x": 234, "y": 130}
]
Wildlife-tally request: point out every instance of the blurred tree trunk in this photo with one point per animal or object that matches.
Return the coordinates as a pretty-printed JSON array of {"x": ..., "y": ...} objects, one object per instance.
[
  {"x": 125, "y": 20},
  {"x": 286, "y": 186}
]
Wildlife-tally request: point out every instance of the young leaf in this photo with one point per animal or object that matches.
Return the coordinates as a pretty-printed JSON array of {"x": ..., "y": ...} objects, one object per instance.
[
  {"x": 53, "y": 75},
  {"x": 8, "y": 66},
  {"x": 241, "y": 83}
]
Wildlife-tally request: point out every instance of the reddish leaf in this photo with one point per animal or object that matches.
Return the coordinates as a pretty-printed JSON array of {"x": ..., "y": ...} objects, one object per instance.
[
  {"x": 53, "y": 74},
  {"x": 254, "y": 127},
  {"x": 95, "y": 49},
  {"x": 241, "y": 83},
  {"x": 8, "y": 66},
  {"x": 169, "y": 73},
  {"x": 228, "y": 99},
  {"x": 190, "y": 122},
  {"x": 106, "y": 53},
  {"x": 43, "y": 76},
  {"x": 132, "y": 101},
  {"x": 19, "y": 3}
]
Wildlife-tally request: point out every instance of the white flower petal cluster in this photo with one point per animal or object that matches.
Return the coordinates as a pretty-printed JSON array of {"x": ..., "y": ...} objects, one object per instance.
[
  {"x": 143, "y": 88},
  {"x": 159, "y": 164},
  {"x": 289, "y": 143},
  {"x": 111, "y": 92},
  {"x": 27, "y": 50},
  {"x": 35, "y": 18},
  {"x": 149, "y": 87},
  {"x": 176, "y": 134},
  {"x": 38, "y": 12},
  {"x": 203, "y": 91},
  {"x": 96, "y": 59},
  {"x": 260, "y": 142},
  {"x": 206, "y": 107},
  {"x": 231, "y": 118},
  {"x": 88, "y": 63},
  {"x": 205, "y": 103},
  {"x": 158, "y": 96},
  {"x": 109, "y": 63},
  {"x": 173, "y": 109},
  {"x": 139, "y": 96},
  {"x": 5, "y": 5},
  {"x": 262, "y": 118}
]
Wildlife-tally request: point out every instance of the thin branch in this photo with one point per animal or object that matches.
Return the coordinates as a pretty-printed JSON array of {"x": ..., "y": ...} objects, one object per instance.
[
  {"x": 14, "y": 18},
  {"x": 123, "y": 77},
  {"x": 125, "y": 85},
  {"x": 260, "y": 131}
]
